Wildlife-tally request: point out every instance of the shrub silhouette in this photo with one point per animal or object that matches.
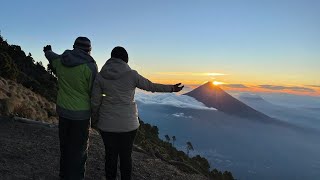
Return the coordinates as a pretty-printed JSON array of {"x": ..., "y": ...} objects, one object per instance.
[
  {"x": 8, "y": 68},
  {"x": 189, "y": 147},
  {"x": 173, "y": 140},
  {"x": 167, "y": 138}
]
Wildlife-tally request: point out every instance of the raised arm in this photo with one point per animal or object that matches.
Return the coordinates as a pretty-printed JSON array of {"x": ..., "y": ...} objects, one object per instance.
[
  {"x": 147, "y": 85},
  {"x": 50, "y": 55}
]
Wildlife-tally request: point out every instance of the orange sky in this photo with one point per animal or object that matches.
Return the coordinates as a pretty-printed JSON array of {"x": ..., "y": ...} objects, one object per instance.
[
  {"x": 255, "y": 88},
  {"x": 272, "y": 83}
]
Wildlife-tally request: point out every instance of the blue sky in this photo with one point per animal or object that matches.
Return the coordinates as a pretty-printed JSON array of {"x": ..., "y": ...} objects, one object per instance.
[{"x": 257, "y": 42}]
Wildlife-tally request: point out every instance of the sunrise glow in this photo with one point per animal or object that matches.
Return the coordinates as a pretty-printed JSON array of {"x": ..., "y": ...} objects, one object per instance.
[
  {"x": 216, "y": 83},
  {"x": 270, "y": 60}
]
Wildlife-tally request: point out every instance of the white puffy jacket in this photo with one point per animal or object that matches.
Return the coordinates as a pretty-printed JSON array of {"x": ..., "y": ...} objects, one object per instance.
[{"x": 112, "y": 100}]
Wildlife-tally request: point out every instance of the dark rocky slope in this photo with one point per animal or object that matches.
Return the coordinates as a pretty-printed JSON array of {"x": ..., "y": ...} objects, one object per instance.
[{"x": 213, "y": 96}]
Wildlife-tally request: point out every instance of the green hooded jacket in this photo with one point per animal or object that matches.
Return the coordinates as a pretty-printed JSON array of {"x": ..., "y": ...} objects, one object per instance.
[{"x": 76, "y": 71}]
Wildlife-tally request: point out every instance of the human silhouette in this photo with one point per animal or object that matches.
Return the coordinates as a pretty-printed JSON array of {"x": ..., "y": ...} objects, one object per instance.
[
  {"x": 76, "y": 71},
  {"x": 115, "y": 112}
]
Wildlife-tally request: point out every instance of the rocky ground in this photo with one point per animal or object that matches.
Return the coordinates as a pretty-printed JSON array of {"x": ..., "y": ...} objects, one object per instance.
[{"x": 31, "y": 151}]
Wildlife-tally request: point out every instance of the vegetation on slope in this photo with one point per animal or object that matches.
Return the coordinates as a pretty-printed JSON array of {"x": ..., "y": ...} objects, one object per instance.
[{"x": 16, "y": 65}]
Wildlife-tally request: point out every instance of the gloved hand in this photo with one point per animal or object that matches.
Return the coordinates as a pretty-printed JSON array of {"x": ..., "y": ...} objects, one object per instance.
[
  {"x": 47, "y": 48},
  {"x": 177, "y": 87}
]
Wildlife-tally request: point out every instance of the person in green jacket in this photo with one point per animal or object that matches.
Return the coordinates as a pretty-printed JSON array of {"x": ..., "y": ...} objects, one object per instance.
[{"x": 76, "y": 71}]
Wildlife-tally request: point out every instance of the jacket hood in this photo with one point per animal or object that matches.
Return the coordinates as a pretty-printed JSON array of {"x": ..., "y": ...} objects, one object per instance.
[
  {"x": 75, "y": 57},
  {"x": 114, "y": 68}
]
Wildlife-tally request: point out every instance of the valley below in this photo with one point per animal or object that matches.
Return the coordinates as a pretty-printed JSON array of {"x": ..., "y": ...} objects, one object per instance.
[{"x": 250, "y": 148}]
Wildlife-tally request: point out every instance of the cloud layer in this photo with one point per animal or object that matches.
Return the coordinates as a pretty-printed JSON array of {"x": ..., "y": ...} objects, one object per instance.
[
  {"x": 316, "y": 86},
  {"x": 293, "y": 88},
  {"x": 181, "y": 101},
  {"x": 191, "y": 74},
  {"x": 235, "y": 85}
]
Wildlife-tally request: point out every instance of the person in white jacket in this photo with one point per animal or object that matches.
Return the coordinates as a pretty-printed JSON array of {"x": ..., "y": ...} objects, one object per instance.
[{"x": 114, "y": 111}]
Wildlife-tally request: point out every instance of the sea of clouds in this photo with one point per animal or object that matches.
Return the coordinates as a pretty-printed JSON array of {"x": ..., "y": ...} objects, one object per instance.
[{"x": 171, "y": 99}]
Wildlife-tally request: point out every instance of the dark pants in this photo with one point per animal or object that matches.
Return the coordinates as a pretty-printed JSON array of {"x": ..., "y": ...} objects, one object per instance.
[
  {"x": 118, "y": 144},
  {"x": 73, "y": 135}
]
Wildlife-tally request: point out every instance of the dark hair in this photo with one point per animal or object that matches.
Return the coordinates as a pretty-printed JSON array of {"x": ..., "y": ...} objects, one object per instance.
[{"x": 121, "y": 53}]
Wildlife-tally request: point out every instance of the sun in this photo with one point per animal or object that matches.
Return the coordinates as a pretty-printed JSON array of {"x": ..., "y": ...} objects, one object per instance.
[{"x": 216, "y": 83}]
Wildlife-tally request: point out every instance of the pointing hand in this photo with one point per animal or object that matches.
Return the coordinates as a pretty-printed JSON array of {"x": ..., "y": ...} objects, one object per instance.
[{"x": 177, "y": 87}]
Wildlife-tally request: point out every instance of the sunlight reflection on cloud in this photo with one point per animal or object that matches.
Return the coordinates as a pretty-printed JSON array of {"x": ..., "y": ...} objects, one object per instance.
[{"x": 181, "y": 101}]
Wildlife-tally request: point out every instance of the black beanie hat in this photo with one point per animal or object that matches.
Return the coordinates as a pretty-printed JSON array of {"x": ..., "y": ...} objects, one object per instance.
[
  {"x": 121, "y": 53},
  {"x": 82, "y": 43}
]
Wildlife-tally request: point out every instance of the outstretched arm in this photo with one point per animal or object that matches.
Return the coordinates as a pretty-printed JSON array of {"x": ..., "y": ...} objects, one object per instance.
[{"x": 145, "y": 84}]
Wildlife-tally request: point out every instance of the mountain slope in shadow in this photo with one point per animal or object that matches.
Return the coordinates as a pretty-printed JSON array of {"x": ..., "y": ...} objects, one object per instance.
[{"x": 213, "y": 96}]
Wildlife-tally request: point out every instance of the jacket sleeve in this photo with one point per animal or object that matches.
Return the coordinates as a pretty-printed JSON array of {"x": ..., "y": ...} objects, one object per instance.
[
  {"x": 145, "y": 84},
  {"x": 94, "y": 71},
  {"x": 52, "y": 58},
  {"x": 96, "y": 100}
]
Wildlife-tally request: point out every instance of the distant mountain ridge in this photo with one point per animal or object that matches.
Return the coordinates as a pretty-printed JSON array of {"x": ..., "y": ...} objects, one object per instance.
[
  {"x": 253, "y": 97},
  {"x": 213, "y": 96}
]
